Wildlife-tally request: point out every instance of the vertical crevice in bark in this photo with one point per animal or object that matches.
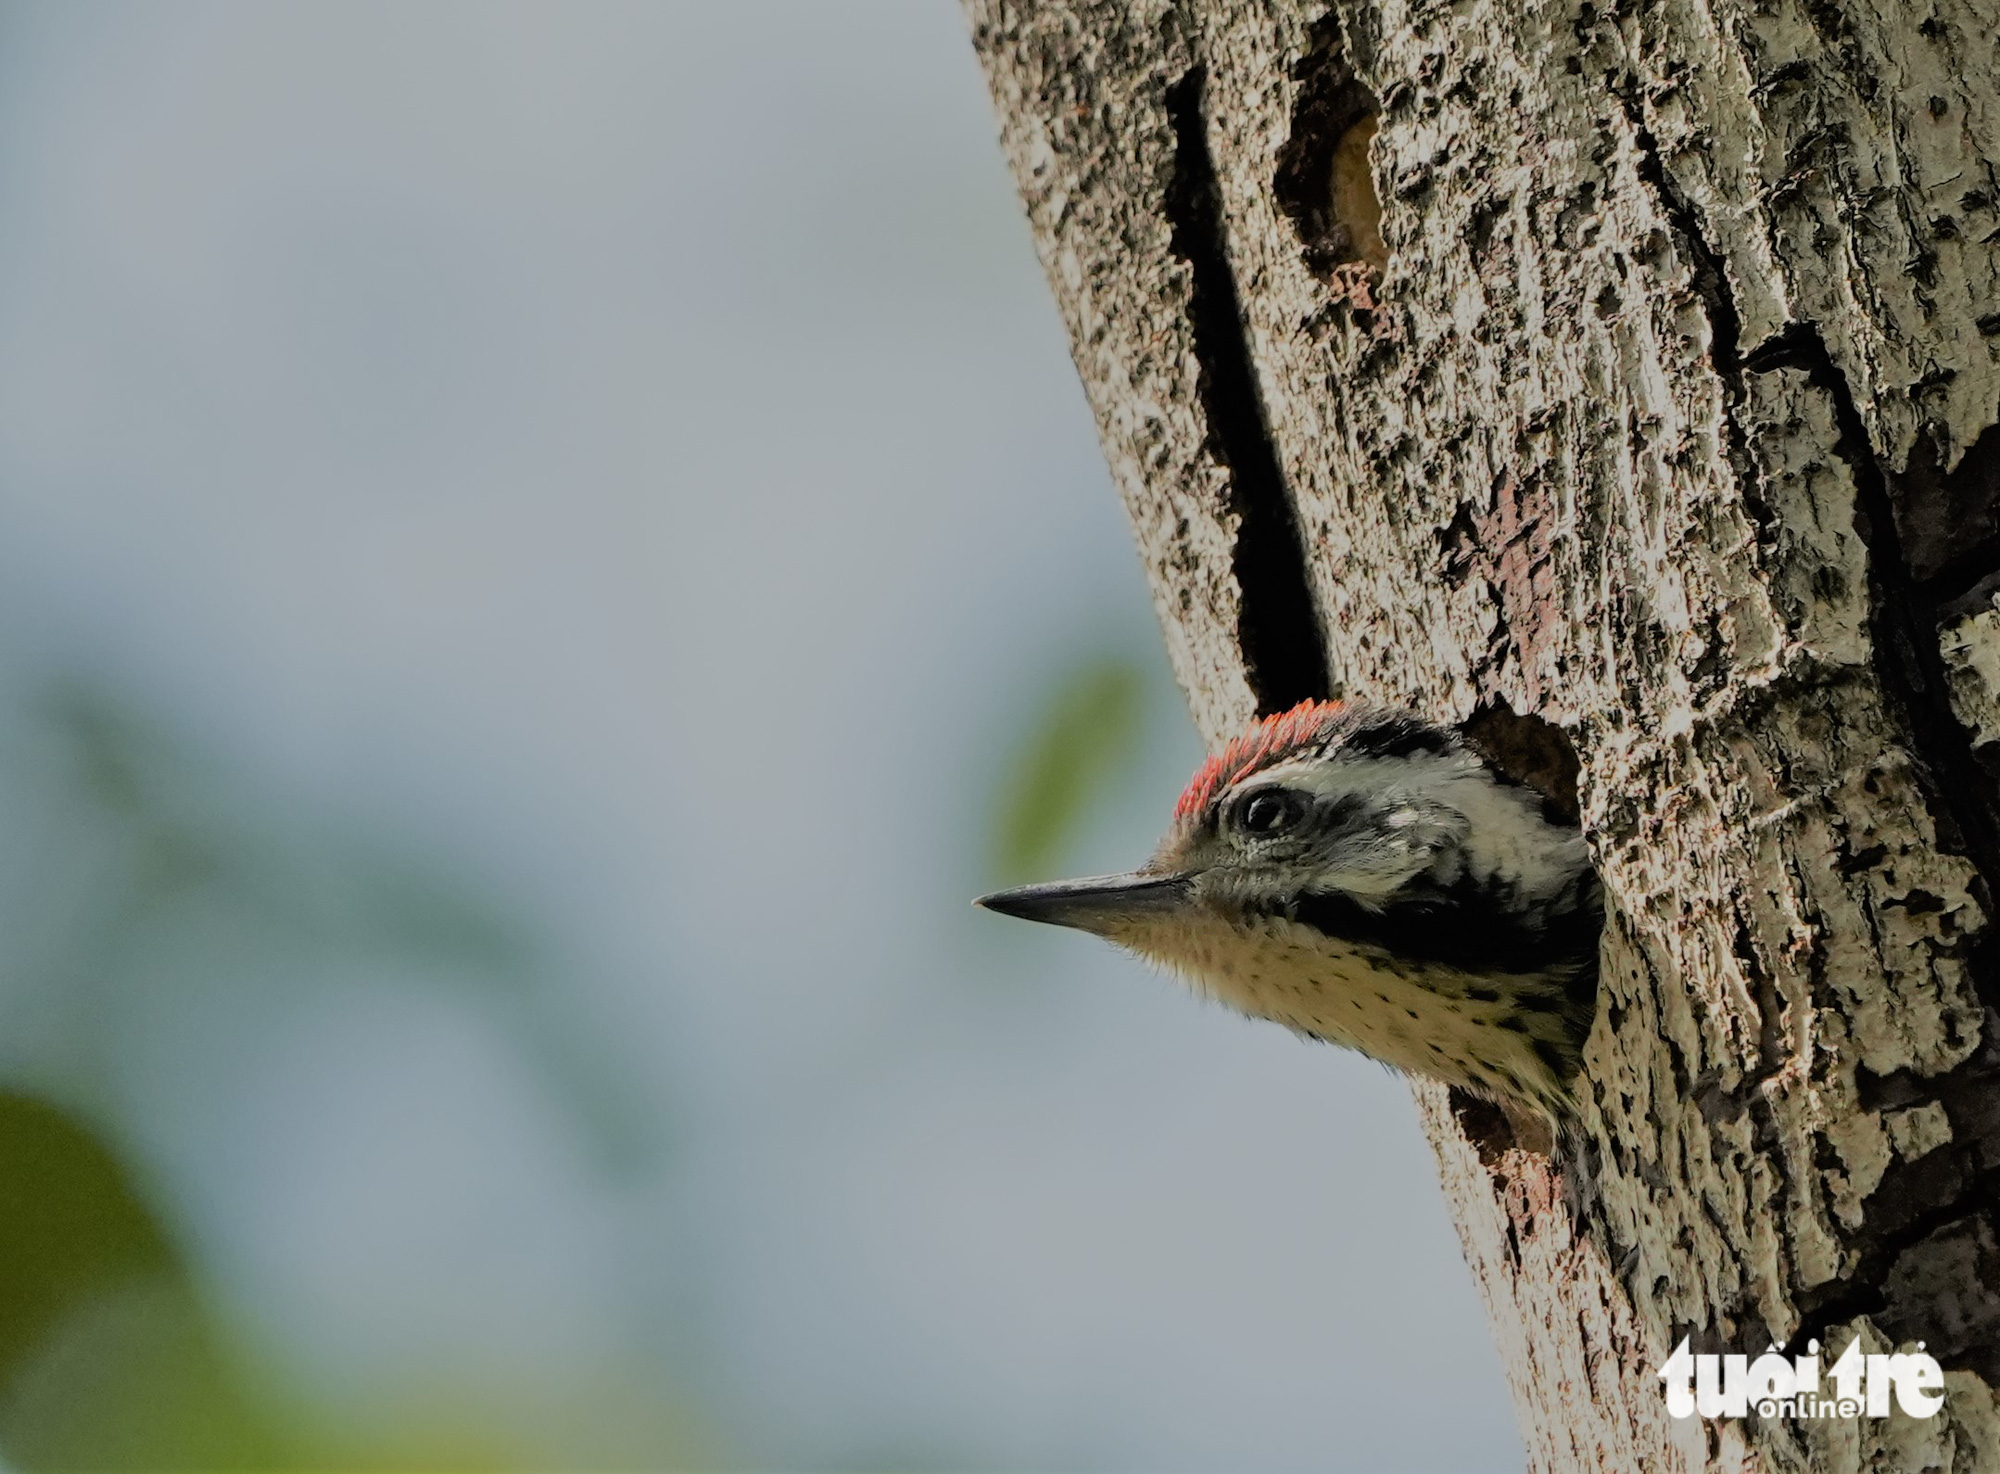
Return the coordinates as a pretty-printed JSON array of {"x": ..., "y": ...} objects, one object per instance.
[
  {"x": 1278, "y": 630},
  {"x": 1711, "y": 280},
  {"x": 1927, "y": 1215},
  {"x": 1908, "y": 612}
]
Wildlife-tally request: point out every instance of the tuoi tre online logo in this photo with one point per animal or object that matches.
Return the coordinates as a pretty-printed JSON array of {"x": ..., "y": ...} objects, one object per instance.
[{"x": 1718, "y": 1386}]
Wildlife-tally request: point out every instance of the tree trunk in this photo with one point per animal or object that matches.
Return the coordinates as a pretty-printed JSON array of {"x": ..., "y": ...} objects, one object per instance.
[{"x": 1655, "y": 402}]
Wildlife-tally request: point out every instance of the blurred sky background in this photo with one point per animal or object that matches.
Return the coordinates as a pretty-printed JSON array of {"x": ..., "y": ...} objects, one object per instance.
[{"x": 545, "y": 549}]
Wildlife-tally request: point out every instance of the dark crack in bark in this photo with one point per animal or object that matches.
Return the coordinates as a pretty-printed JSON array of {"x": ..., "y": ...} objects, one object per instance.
[{"x": 1278, "y": 629}]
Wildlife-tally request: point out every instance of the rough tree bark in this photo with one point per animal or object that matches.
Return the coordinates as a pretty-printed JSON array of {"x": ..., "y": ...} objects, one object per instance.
[{"x": 1658, "y": 408}]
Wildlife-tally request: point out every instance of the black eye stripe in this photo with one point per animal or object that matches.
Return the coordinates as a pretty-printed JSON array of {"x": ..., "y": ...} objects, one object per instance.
[{"x": 1342, "y": 809}]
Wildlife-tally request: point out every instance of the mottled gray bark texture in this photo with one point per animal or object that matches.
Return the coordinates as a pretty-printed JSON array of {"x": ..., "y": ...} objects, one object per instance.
[{"x": 1659, "y": 405}]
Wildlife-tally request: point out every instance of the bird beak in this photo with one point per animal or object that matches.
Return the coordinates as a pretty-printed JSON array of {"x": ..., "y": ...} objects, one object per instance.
[{"x": 1103, "y": 903}]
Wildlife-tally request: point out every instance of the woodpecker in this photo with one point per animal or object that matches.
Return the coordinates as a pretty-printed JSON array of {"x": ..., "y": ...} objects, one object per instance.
[{"x": 1365, "y": 878}]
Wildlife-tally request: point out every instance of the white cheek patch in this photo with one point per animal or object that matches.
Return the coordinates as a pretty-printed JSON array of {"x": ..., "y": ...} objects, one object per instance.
[{"x": 1439, "y": 805}]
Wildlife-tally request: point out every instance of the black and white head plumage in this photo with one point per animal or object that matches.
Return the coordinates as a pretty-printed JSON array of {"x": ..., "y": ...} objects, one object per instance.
[
  {"x": 1374, "y": 821},
  {"x": 1365, "y": 877},
  {"x": 1378, "y": 829}
]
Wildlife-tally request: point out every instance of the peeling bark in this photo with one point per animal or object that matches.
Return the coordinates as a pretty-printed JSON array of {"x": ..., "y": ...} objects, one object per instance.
[{"x": 1661, "y": 408}]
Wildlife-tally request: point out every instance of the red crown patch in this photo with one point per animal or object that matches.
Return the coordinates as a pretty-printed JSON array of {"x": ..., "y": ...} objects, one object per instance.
[{"x": 1270, "y": 742}]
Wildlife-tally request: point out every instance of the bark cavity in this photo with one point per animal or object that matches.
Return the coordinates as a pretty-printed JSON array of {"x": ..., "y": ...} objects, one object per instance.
[
  {"x": 1324, "y": 183},
  {"x": 1531, "y": 750}
]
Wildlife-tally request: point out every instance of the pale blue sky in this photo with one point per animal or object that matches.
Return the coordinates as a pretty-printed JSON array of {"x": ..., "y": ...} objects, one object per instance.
[{"x": 626, "y": 455}]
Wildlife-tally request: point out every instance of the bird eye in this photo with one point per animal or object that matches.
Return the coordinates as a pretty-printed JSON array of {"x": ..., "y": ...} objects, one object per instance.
[{"x": 1270, "y": 811}]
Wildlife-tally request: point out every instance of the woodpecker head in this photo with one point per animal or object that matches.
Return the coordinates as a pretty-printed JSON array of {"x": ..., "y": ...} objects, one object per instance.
[{"x": 1363, "y": 877}]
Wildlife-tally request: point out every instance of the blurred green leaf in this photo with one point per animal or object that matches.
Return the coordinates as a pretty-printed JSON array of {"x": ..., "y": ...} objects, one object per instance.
[
  {"x": 137, "y": 1377},
  {"x": 72, "y": 1227},
  {"x": 107, "y": 1358},
  {"x": 1087, "y": 728}
]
